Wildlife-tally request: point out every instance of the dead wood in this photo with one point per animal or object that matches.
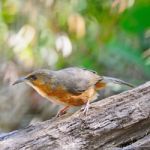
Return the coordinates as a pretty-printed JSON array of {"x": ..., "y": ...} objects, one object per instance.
[{"x": 118, "y": 122}]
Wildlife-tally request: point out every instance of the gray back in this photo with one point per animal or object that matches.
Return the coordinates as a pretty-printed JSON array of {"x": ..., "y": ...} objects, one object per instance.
[{"x": 76, "y": 80}]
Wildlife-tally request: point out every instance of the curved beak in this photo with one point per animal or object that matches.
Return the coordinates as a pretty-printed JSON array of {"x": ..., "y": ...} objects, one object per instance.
[{"x": 20, "y": 80}]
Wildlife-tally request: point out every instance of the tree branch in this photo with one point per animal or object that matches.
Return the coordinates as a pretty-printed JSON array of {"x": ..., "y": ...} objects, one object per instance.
[{"x": 118, "y": 122}]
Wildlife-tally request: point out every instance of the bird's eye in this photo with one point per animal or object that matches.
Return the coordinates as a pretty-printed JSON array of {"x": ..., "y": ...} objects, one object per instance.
[{"x": 33, "y": 77}]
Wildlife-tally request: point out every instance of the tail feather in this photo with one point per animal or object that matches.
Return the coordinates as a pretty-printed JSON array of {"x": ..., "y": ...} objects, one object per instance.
[{"x": 116, "y": 81}]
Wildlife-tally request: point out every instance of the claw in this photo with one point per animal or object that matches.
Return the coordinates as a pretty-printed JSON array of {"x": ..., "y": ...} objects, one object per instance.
[{"x": 86, "y": 108}]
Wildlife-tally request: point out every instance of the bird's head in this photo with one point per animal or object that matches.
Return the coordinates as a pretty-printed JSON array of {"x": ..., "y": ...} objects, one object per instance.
[{"x": 36, "y": 78}]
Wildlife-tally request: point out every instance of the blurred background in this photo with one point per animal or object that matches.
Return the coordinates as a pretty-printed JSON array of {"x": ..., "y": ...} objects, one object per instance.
[{"x": 111, "y": 37}]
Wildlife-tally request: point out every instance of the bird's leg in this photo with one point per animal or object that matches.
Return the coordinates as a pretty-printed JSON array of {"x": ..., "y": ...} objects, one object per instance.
[
  {"x": 62, "y": 111},
  {"x": 86, "y": 108}
]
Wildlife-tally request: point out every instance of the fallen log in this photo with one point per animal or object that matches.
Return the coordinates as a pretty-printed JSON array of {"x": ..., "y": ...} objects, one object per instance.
[{"x": 119, "y": 122}]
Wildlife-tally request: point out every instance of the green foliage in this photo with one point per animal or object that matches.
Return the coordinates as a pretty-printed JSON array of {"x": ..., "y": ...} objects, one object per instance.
[
  {"x": 108, "y": 36},
  {"x": 136, "y": 18}
]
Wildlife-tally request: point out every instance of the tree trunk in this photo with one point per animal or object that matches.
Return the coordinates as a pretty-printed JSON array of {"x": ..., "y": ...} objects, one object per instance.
[{"x": 118, "y": 122}]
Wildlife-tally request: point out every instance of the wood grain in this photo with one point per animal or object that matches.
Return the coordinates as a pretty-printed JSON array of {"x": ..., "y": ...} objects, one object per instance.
[{"x": 118, "y": 122}]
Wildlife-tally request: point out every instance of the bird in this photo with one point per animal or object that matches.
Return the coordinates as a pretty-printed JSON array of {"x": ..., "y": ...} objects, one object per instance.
[{"x": 73, "y": 86}]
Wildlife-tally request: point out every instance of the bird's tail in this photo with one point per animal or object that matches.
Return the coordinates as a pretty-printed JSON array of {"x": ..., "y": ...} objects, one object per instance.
[{"x": 116, "y": 81}]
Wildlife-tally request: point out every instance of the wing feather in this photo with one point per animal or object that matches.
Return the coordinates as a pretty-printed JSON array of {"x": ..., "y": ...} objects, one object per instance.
[{"x": 76, "y": 80}]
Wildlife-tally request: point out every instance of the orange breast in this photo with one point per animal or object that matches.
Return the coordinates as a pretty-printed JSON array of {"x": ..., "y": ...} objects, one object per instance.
[{"x": 61, "y": 96}]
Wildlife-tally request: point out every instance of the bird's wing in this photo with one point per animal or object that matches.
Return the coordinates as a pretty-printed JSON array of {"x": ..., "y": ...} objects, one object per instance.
[{"x": 76, "y": 80}]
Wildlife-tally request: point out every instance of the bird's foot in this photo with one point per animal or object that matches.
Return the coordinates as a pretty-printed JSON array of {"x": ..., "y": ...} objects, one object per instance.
[
  {"x": 62, "y": 111},
  {"x": 86, "y": 108}
]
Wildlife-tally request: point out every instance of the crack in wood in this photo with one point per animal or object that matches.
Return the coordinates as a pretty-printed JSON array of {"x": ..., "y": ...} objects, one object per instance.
[{"x": 121, "y": 121}]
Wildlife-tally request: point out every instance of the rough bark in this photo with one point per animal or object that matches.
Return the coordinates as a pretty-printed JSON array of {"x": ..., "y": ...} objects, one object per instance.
[{"x": 118, "y": 122}]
